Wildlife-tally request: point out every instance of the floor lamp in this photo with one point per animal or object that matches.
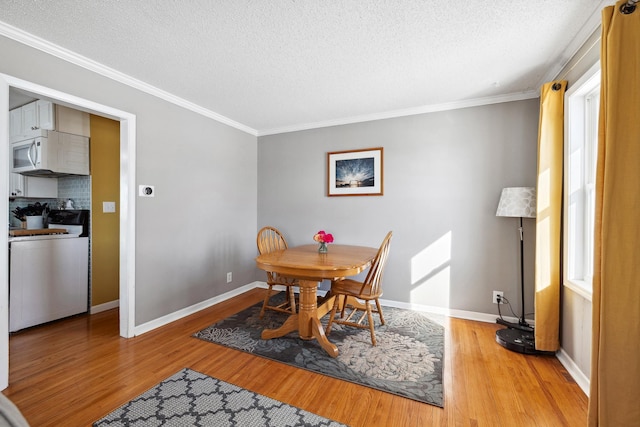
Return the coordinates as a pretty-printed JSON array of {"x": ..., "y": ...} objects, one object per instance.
[{"x": 517, "y": 202}]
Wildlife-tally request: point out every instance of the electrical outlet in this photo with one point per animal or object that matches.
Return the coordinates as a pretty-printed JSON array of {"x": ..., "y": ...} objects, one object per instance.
[
  {"x": 229, "y": 277},
  {"x": 497, "y": 294}
]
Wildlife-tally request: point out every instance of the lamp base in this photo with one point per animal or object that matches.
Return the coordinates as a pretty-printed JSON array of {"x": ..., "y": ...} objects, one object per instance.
[
  {"x": 522, "y": 325},
  {"x": 519, "y": 341}
]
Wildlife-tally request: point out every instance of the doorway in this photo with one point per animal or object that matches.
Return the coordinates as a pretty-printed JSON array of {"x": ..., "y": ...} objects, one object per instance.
[{"x": 127, "y": 203}]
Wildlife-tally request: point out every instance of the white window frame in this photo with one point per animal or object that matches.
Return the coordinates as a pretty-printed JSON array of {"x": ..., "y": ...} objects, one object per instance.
[{"x": 580, "y": 154}]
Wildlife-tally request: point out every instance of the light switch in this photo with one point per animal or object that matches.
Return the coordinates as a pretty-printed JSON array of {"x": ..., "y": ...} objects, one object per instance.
[{"x": 108, "y": 207}]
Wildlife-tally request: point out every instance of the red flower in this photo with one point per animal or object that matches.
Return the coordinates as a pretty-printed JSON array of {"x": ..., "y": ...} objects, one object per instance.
[{"x": 323, "y": 237}]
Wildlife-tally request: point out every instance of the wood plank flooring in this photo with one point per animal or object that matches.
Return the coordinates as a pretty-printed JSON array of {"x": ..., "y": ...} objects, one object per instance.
[{"x": 75, "y": 371}]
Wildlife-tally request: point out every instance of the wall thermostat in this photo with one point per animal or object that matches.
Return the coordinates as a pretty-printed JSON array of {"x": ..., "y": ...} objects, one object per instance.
[{"x": 146, "y": 191}]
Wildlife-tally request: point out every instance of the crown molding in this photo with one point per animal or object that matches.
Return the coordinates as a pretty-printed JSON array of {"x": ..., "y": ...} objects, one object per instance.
[
  {"x": 101, "y": 69},
  {"x": 405, "y": 112}
]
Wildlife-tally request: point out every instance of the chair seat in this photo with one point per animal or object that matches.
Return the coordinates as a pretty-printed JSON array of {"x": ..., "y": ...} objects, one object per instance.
[{"x": 354, "y": 288}]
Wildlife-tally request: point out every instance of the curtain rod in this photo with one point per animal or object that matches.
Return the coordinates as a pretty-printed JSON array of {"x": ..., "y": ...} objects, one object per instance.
[{"x": 628, "y": 7}]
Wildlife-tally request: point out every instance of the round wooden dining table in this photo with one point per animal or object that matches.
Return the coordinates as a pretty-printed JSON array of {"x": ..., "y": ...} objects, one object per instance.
[{"x": 310, "y": 267}]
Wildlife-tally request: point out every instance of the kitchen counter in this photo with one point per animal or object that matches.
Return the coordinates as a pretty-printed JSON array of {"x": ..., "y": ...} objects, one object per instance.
[
  {"x": 19, "y": 232},
  {"x": 22, "y": 234}
]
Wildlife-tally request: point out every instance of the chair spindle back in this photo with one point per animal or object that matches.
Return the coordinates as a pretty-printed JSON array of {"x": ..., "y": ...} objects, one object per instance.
[
  {"x": 374, "y": 277},
  {"x": 270, "y": 239}
]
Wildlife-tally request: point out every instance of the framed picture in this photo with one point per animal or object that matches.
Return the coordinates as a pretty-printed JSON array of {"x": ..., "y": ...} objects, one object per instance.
[{"x": 355, "y": 172}]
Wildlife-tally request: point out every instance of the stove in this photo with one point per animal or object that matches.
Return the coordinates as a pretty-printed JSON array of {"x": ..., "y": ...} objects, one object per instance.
[{"x": 75, "y": 221}]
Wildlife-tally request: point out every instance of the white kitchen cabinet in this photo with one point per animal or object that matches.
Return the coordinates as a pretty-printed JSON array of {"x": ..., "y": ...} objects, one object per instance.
[
  {"x": 73, "y": 153},
  {"x": 16, "y": 185},
  {"x": 72, "y": 121},
  {"x": 48, "y": 280},
  {"x": 31, "y": 120},
  {"x": 15, "y": 124},
  {"x": 46, "y": 115},
  {"x": 31, "y": 186},
  {"x": 29, "y": 117}
]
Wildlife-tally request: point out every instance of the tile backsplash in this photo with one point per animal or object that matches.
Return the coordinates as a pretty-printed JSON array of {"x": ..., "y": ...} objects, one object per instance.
[{"x": 76, "y": 187}]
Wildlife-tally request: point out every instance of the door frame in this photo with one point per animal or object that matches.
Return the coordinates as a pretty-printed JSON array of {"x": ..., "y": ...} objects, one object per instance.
[{"x": 127, "y": 204}]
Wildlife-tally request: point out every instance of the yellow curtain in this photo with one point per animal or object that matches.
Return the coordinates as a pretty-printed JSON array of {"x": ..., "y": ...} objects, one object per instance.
[
  {"x": 615, "y": 363},
  {"x": 549, "y": 216}
]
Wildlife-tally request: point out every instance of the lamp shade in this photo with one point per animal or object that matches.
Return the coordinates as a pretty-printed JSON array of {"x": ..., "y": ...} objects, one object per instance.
[{"x": 518, "y": 202}]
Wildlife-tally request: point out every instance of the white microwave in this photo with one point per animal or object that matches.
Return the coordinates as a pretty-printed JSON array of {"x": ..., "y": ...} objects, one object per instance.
[{"x": 58, "y": 154}]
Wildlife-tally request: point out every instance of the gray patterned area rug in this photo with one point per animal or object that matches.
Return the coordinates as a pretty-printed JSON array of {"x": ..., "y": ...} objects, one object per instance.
[
  {"x": 406, "y": 361},
  {"x": 189, "y": 398}
]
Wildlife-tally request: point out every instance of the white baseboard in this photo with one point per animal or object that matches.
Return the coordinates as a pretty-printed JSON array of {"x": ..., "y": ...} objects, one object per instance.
[
  {"x": 460, "y": 314},
  {"x": 104, "y": 307},
  {"x": 187, "y": 311},
  {"x": 579, "y": 377}
]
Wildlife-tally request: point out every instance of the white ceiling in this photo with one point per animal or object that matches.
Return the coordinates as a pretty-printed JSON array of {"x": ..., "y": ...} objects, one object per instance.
[{"x": 279, "y": 65}]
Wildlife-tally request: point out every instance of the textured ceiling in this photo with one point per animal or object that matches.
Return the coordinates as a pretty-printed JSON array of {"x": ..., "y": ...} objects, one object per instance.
[{"x": 281, "y": 65}]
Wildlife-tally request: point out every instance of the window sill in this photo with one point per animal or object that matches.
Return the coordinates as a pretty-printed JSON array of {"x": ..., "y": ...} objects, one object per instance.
[{"x": 580, "y": 288}]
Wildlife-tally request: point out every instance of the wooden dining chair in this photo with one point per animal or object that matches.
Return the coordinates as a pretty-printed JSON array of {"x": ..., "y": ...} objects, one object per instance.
[
  {"x": 271, "y": 239},
  {"x": 353, "y": 312}
]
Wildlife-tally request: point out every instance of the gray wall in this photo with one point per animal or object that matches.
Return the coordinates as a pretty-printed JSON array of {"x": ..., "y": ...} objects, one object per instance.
[
  {"x": 443, "y": 174},
  {"x": 202, "y": 222}
]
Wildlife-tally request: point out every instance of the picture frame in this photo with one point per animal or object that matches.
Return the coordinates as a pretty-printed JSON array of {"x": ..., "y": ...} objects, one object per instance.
[{"x": 355, "y": 172}]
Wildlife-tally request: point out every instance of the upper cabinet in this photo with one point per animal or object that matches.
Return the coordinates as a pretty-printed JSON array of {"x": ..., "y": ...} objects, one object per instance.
[
  {"x": 31, "y": 120},
  {"x": 72, "y": 121},
  {"x": 44, "y": 116},
  {"x": 30, "y": 186}
]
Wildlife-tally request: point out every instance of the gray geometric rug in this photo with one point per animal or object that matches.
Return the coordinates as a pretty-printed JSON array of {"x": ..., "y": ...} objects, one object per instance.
[
  {"x": 189, "y": 398},
  {"x": 406, "y": 361}
]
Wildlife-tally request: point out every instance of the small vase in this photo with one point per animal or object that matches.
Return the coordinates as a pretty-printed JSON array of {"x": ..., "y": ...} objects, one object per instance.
[{"x": 323, "y": 249}]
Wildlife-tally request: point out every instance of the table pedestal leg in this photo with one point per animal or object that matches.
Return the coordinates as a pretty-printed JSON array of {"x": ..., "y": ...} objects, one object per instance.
[
  {"x": 290, "y": 325},
  {"x": 306, "y": 321},
  {"x": 308, "y": 308},
  {"x": 318, "y": 333},
  {"x": 309, "y": 324}
]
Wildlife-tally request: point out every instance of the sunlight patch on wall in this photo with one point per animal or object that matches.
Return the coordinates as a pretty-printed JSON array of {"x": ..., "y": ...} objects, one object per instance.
[{"x": 431, "y": 274}]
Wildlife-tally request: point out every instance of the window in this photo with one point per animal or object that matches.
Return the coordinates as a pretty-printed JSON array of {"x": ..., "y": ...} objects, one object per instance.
[{"x": 581, "y": 149}]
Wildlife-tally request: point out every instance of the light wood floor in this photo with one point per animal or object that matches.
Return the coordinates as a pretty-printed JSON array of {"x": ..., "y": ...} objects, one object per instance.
[{"x": 73, "y": 372}]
